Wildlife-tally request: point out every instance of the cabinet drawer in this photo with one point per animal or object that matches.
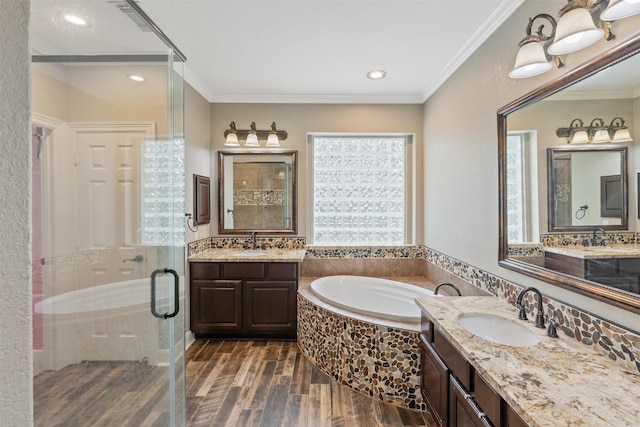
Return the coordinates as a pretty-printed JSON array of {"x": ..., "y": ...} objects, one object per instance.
[
  {"x": 462, "y": 409},
  {"x": 205, "y": 270},
  {"x": 283, "y": 270},
  {"x": 243, "y": 270},
  {"x": 601, "y": 267},
  {"x": 459, "y": 367},
  {"x": 487, "y": 399}
]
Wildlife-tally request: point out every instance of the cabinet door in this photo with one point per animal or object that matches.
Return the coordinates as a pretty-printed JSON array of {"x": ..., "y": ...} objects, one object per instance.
[
  {"x": 512, "y": 419},
  {"x": 463, "y": 411},
  {"x": 270, "y": 307},
  {"x": 487, "y": 399},
  {"x": 216, "y": 305},
  {"x": 435, "y": 383}
]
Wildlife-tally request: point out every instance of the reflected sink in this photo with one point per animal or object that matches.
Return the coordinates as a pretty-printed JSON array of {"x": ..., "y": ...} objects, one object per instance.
[
  {"x": 249, "y": 253},
  {"x": 499, "y": 330}
]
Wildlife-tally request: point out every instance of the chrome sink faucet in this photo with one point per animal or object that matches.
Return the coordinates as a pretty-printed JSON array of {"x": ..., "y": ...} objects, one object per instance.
[{"x": 522, "y": 315}]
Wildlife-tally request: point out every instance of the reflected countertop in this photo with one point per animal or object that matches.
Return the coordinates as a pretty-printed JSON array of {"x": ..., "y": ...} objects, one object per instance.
[
  {"x": 558, "y": 381},
  {"x": 600, "y": 252},
  {"x": 248, "y": 255}
]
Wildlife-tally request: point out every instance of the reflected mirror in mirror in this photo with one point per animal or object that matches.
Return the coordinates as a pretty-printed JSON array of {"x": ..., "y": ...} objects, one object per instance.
[
  {"x": 557, "y": 196},
  {"x": 257, "y": 191},
  {"x": 587, "y": 188}
]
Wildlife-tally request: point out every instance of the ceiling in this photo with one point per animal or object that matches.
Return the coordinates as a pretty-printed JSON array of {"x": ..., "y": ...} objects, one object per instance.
[
  {"x": 321, "y": 50},
  {"x": 298, "y": 51}
]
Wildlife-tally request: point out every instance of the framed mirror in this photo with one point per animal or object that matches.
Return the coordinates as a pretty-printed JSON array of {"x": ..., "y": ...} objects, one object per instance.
[
  {"x": 587, "y": 188},
  {"x": 257, "y": 191},
  {"x": 528, "y": 136}
]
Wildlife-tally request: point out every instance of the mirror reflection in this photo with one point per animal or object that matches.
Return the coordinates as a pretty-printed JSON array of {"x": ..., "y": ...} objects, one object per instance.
[
  {"x": 587, "y": 188},
  {"x": 257, "y": 191},
  {"x": 558, "y": 194}
]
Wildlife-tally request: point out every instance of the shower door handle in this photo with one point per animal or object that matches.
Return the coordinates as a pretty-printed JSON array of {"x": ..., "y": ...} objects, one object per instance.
[{"x": 176, "y": 293}]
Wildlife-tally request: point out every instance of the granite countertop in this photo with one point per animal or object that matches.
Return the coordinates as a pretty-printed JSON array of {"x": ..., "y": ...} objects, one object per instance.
[
  {"x": 248, "y": 255},
  {"x": 599, "y": 252},
  {"x": 558, "y": 381}
]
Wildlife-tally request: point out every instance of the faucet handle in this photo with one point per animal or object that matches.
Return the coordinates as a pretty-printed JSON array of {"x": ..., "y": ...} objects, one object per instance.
[
  {"x": 551, "y": 329},
  {"x": 522, "y": 314}
]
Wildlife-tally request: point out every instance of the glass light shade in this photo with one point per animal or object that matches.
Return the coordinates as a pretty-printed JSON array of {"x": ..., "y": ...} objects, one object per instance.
[
  {"x": 232, "y": 140},
  {"x": 575, "y": 31},
  {"x": 530, "y": 61},
  {"x": 619, "y": 9},
  {"x": 621, "y": 135},
  {"x": 600, "y": 136},
  {"x": 252, "y": 140},
  {"x": 580, "y": 136},
  {"x": 272, "y": 140}
]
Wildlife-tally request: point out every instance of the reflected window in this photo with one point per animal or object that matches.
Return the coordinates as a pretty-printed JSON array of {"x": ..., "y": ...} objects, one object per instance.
[
  {"x": 359, "y": 190},
  {"x": 521, "y": 187}
]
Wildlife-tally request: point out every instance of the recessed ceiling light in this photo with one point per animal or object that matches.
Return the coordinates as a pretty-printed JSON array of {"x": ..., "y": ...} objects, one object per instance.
[
  {"x": 376, "y": 74},
  {"x": 76, "y": 20},
  {"x": 136, "y": 78}
]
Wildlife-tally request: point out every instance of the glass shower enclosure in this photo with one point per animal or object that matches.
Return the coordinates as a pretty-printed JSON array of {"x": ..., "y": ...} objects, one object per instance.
[{"x": 107, "y": 218}]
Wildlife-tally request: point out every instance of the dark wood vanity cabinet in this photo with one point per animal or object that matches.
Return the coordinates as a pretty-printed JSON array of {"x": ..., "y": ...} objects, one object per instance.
[
  {"x": 455, "y": 393},
  {"x": 243, "y": 300}
]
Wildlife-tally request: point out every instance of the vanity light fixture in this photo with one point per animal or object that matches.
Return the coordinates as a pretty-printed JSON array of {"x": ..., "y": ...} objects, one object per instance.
[
  {"x": 576, "y": 29},
  {"x": 597, "y": 132},
  {"x": 618, "y": 9},
  {"x": 532, "y": 58},
  {"x": 231, "y": 136},
  {"x": 252, "y": 136},
  {"x": 618, "y": 132}
]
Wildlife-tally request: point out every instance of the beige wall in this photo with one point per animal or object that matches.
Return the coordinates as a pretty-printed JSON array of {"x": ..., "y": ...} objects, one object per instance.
[
  {"x": 461, "y": 158},
  {"x": 299, "y": 120}
]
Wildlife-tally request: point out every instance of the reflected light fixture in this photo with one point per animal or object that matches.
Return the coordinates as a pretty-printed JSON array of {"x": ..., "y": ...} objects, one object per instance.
[
  {"x": 75, "y": 20},
  {"x": 532, "y": 58},
  {"x": 136, "y": 78},
  {"x": 272, "y": 139},
  {"x": 376, "y": 74},
  {"x": 618, "y": 9},
  {"x": 231, "y": 136},
  {"x": 252, "y": 137},
  {"x": 576, "y": 29},
  {"x": 618, "y": 132},
  {"x": 597, "y": 132}
]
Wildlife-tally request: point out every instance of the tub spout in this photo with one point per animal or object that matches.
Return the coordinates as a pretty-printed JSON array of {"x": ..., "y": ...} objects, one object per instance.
[
  {"x": 435, "y": 292},
  {"x": 137, "y": 258}
]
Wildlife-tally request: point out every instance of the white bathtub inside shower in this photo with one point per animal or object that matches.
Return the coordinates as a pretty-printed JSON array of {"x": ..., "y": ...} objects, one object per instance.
[{"x": 110, "y": 322}]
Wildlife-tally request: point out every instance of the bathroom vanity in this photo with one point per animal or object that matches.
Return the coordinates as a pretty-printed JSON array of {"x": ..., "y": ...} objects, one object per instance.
[
  {"x": 615, "y": 266},
  {"x": 244, "y": 294},
  {"x": 471, "y": 381}
]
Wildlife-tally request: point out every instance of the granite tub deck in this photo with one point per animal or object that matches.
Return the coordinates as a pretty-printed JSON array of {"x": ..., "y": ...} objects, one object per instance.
[
  {"x": 377, "y": 357},
  {"x": 557, "y": 382}
]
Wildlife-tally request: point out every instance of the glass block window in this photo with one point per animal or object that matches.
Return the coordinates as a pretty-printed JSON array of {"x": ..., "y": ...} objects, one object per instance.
[
  {"x": 516, "y": 188},
  {"x": 163, "y": 193},
  {"x": 359, "y": 190}
]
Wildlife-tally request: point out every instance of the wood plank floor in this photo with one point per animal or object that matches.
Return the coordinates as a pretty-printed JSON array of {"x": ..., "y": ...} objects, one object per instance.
[
  {"x": 272, "y": 384},
  {"x": 229, "y": 383}
]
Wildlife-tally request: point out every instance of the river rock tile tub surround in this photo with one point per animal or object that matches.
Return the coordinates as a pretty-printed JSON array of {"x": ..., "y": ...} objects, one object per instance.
[{"x": 374, "y": 359}]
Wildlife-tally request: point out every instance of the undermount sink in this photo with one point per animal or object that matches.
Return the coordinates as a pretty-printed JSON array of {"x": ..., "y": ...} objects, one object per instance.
[
  {"x": 499, "y": 330},
  {"x": 249, "y": 253}
]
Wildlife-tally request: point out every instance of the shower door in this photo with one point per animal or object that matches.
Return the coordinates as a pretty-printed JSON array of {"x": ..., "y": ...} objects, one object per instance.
[{"x": 108, "y": 213}]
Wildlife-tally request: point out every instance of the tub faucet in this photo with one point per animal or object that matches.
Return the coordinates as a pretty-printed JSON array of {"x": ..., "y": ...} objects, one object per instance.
[
  {"x": 435, "y": 292},
  {"x": 137, "y": 258},
  {"x": 522, "y": 315}
]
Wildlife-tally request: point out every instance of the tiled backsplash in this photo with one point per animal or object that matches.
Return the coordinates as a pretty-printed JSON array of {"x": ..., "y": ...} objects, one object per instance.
[{"x": 237, "y": 242}]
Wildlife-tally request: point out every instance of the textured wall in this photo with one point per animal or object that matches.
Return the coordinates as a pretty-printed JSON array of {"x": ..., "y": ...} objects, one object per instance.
[
  {"x": 15, "y": 216},
  {"x": 461, "y": 151}
]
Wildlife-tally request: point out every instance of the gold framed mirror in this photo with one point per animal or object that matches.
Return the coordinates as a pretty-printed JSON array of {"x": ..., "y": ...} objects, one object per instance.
[{"x": 592, "y": 83}]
